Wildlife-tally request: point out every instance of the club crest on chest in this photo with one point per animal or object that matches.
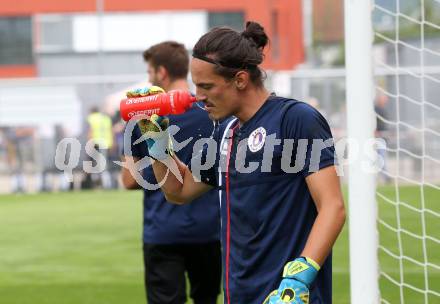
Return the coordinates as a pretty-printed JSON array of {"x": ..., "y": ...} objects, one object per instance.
[{"x": 257, "y": 139}]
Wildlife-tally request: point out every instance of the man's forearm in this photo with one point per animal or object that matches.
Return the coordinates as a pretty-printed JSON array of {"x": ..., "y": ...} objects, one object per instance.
[
  {"x": 328, "y": 224},
  {"x": 170, "y": 184},
  {"x": 325, "y": 189},
  {"x": 127, "y": 178},
  {"x": 181, "y": 188}
]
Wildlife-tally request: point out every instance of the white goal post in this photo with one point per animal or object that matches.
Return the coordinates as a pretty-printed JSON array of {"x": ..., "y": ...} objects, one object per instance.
[{"x": 360, "y": 127}]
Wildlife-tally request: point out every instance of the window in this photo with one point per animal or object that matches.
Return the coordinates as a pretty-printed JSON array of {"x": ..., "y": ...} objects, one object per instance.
[
  {"x": 16, "y": 41},
  {"x": 234, "y": 20},
  {"x": 55, "y": 33}
]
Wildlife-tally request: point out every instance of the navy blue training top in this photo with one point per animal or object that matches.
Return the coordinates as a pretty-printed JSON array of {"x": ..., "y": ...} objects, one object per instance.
[
  {"x": 267, "y": 214},
  {"x": 167, "y": 223}
]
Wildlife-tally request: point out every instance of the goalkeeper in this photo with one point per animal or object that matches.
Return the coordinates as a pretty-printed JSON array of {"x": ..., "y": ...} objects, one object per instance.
[{"x": 279, "y": 219}]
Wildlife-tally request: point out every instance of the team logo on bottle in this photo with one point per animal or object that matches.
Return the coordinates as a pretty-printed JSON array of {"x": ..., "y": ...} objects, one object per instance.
[
  {"x": 256, "y": 139},
  {"x": 148, "y": 112}
]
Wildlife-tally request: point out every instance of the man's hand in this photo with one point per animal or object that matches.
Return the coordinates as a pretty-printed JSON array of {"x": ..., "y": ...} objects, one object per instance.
[
  {"x": 153, "y": 90},
  {"x": 298, "y": 275},
  {"x": 155, "y": 129},
  {"x": 290, "y": 291}
]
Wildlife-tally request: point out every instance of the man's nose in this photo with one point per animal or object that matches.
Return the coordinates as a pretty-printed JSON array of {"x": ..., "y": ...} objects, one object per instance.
[{"x": 200, "y": 96}]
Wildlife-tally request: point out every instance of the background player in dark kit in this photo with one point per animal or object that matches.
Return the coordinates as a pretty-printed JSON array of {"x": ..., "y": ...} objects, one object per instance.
[{"x": 178, "y": 238}]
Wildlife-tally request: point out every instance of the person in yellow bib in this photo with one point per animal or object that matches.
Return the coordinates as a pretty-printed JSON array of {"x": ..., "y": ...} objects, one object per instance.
[
  {"x": 101, "y": 135},
  {"x": 100, "y": 129}
]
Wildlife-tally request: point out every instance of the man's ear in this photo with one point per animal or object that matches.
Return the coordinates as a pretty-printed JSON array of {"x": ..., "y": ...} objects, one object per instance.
[
  {"x": 161, "y": 72},
  {"x": 241, "y": 80}
]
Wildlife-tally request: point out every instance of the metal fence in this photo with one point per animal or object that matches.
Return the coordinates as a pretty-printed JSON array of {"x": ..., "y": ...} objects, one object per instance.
[{"x": 35, "y": 114}]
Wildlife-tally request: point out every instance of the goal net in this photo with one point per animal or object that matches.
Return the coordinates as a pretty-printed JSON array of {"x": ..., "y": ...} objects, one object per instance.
[{"x": 407, "y": 107}]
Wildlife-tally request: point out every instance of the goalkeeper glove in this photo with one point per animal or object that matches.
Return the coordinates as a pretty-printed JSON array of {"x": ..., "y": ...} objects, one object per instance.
[
  {"x": 298, "y": 275},
  {"x": 147, "y": 91},
  {"x": 154, "y": 129}
]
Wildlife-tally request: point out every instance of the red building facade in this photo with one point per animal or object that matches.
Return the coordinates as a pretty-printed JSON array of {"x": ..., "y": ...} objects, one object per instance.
[{"x": 282, "y": 20}]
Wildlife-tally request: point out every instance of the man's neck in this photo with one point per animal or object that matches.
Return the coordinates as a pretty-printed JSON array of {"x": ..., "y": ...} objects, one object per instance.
[
  {"x": 252, "y": 101},
  {"x": 178, "y": 84}
]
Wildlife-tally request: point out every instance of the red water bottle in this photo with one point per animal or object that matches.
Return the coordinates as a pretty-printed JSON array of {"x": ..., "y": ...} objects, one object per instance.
[{"x": 173, "y": 102}]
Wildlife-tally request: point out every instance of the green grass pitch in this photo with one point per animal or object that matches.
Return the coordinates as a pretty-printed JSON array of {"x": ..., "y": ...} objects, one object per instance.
[{"x": 85, "y": 247}]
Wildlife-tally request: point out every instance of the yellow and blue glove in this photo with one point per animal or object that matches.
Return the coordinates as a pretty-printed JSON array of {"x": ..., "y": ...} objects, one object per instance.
[
  {"x": 147, "y": 91},
  {"x": 298, "y": 276},
  {"x": 155, "y": 129}
]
